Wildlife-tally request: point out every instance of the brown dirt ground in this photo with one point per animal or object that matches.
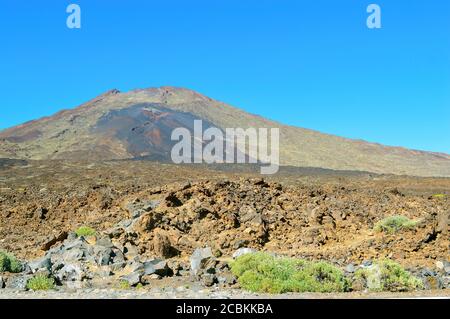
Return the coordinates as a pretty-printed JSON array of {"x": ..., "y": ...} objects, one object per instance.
[{"x": 316, "y": 216}]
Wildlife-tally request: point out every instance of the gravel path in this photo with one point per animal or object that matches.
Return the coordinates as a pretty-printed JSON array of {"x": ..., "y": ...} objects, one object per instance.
[{"x": 185, "y": 293}]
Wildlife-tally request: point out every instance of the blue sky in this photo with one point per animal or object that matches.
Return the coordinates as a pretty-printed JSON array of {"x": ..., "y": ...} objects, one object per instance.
[{"x": 312, "y": 63}]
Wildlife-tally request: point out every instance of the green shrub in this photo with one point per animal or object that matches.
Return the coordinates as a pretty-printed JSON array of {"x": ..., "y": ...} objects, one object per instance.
[
  {"x": 439, "y": 196},
  {"x": 41, "y": 282},
  {"x": 9, "y": 263},
  {"x": 123, "y": 285},
  {"x": 387, "y": 275},
  {"x": 85, "y": 231},
  {"x": 261, "y": 272},
  {"x": 394, "y": 224}
]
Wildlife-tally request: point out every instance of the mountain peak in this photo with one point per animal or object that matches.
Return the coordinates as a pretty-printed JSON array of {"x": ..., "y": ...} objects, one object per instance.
[
  {"x": 95, "y": 101},
  {"x": 117, "y": 125},
  {"x": 173, "y": 94},
  {"x": 108, "y": 93},
  {"x": 111, "y": 92}
]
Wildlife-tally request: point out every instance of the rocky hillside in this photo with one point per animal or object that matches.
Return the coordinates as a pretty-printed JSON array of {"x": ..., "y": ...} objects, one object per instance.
[
  {"x": 105, "y": 236},
  {"x": 138, "y": 124}
]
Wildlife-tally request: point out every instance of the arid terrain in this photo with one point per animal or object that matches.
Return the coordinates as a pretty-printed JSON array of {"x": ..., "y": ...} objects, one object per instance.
[
  {"x": 164, "y": 211},
  {"x": 90, "y": 199}
]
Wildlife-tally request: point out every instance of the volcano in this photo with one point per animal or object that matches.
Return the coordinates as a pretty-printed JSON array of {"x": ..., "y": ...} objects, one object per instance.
[{"x": 138, "y": 124}]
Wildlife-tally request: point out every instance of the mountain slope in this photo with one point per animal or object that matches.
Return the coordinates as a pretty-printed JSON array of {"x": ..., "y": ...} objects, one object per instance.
[{"x": 118, "y": 125}]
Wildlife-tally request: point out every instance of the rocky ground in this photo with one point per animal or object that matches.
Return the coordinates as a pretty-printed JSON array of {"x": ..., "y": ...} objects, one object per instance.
[{"x": 170, "y": 231}]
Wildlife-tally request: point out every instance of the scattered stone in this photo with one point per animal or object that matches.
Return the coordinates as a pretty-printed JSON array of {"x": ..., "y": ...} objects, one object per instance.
[
  {"x": 79, "y": 242},
  {"x": 130, "y": 251},
  {"x": 40, "y": 264},
  {"x": 199, "y": 258},
  {"x": 116, "y": 267},
  {"x": 176, "y": 266},
  {"x": 54, "y": 251},
  {"x": 208, "y": 280},
  {"x": 145, "y": 223},
  {"x": 350, "y": 268},
  {"x": 172, "y": 200},
  {"x": 150, "y": 205},
  {"x": 70, "y": 272},
  {"x": 125, "y": 223},
  {"x": 137, "y": 208},
  {"x": 134, "y": 266},
  {"x": 71, "y": 236},
  {"x": 162, "y": 245},
  {"x": 432, "y": 282},
  {"x": 102, "y": 255},
  {"x": 428, "y": 273},
  {"x": 105, "y": 242},
  {"x": 118, "y": 256},
  {"x": 115, "y": 232},
  {"x": 149, "y": 268},
  {"x": 91, "y": 240},
  {"x": 26, "y": 269},
  {"x": 447, "y": 270},
  {"x": 157, "y": 266},
  {"x": 240, "y": 243},
  {"x": 147, "y": 279},
  {"x": 136, "y": 213},
  {"x": 104, "y": 272},
  {"x": 133, "y": 279},
  {"x": 18, "y": 282},
  {"x": 162, "y": 269},
  {"x": 73, "y": 254},
  {"x": 243, "y": 251},
  {"x": 61, "y": 237},
  {"x": 446, "y": 282},
  {"x": 227, "y": 279},
  {"x": 42, "y": 212}
]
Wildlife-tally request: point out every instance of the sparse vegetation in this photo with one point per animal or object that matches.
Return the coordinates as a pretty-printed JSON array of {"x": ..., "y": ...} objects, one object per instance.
[
  {"x": 123, "y": 285},
  {"x": 41, "y": 282},
  {"x": 440, "y": 196},
  {"x": 261, "y": 272},
  {"x": 393, "y": 224},
  {"x": 9, "y": 263},
  {"x": 85, "y": 231},
  {"x": 387, "y": 275}
]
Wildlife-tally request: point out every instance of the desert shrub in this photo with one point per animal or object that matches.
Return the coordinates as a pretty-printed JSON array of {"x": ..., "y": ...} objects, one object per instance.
[
  {"x": 41, "y": 282},
  {"x": 9, "y": 263},
  {"x": 261, "y": 272},
  {"x": 394, "y": 224},
  {"x": 123, "y": 285},
  {"x": 439, "y": 196},
  {"x": 85, "y": 231},
  {"x": 387, "y": 275},
  {"x": 139, "y": 286}
]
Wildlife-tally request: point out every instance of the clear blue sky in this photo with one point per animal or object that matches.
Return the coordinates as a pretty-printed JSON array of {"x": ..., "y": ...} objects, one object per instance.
[{"x": 311, "y": 63}]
